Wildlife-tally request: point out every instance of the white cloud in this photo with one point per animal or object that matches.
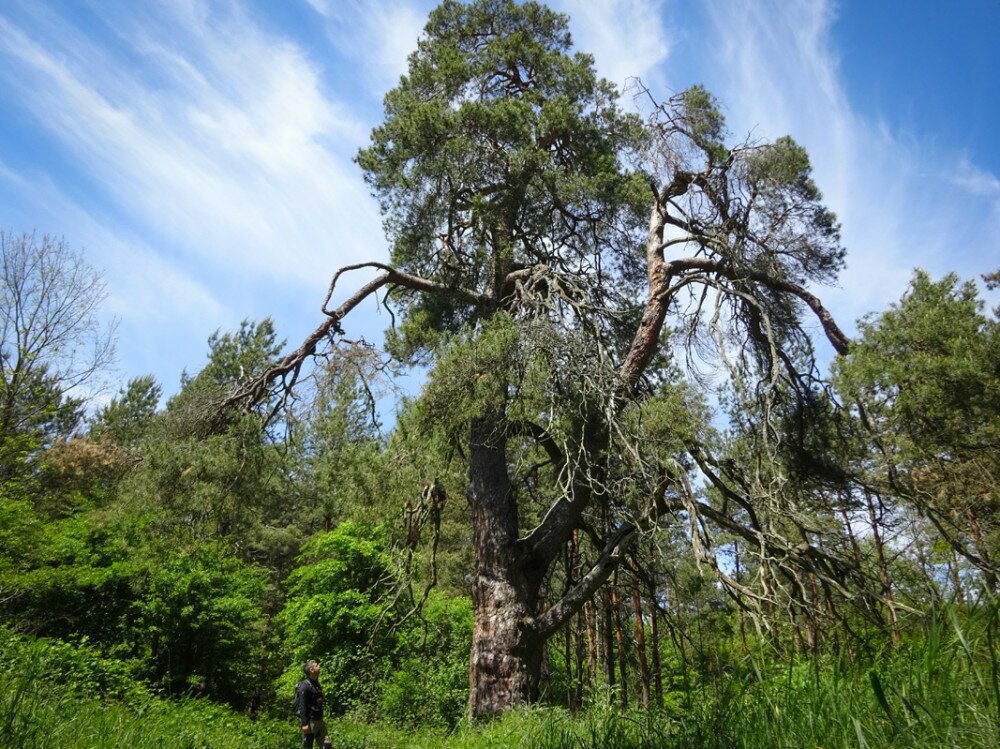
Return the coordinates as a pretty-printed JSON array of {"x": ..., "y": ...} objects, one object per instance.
[
  {"x": 220, "y": 152},
  {"x": 159, "y": 305},
  {"x": 626, "y": 37},
  {"x": 194, "y": 152},
  {"x": 323, "y": 7},
  {"x": 778, "y": 74},
  {"x": 974, "y": 180},
  {"x": 232, "y": 150},
  {"x": 145, "y": 288},
  {"x": 401, "y": 26},
  {"x": 378, "y": 34}
]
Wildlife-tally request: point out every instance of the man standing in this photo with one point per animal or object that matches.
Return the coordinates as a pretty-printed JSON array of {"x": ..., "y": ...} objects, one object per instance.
[{"x": 309, "y": 707}]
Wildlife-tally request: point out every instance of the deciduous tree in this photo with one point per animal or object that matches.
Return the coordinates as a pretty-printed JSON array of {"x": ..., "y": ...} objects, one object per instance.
[{"x": 52, "y": 343}]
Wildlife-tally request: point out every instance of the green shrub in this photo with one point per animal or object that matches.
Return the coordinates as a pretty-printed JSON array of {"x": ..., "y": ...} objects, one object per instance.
[{"x": 429, "y": 686}]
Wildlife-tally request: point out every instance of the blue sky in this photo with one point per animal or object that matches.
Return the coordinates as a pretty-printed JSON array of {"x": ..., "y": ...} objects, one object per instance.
[{"x": 200, "y": 150}]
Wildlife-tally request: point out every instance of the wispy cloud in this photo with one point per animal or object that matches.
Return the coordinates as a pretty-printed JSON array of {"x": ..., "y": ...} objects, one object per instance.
[
  {"x": 161, "y": 309},
  {"x": 626, "y": 37},
  {"x": 778, "y": 73},
  {"x": 192, "y": 146},
  {"x": 220, "y": 139},
  {"x": 378, "y": 34},
  {"x": 187, "y": 149},
  {"x": 976, "y": 181}
]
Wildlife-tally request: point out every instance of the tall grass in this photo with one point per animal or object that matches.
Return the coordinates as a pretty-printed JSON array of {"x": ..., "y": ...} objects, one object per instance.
[
  {"x": 940, "y": 689},
  {"x": 53, "y": 694}
]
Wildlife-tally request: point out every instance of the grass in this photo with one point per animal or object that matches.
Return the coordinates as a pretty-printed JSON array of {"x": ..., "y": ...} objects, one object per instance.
[
  {"x": 938, "y": 690},
  {"x": 941, "y": 690},
  {"x": 57, "y": 694}
]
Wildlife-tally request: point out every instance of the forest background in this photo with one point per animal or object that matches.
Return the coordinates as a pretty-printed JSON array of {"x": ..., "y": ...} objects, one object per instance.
[{"x": 810, "y": 555}]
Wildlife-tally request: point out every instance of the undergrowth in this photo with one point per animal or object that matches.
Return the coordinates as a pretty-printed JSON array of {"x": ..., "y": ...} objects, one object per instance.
[{"x": 938, "y": 690}]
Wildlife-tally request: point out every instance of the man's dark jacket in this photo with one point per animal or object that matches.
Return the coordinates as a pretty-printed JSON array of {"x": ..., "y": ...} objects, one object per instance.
[{"x": 309, "y": 700}]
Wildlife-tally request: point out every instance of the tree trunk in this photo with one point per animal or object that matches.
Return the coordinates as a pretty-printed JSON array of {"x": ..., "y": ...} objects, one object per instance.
[
  {"x": 654, "y": 636},
  {"x": 578, "y": 686},
  {"x": 640, "y": 634},
  {"x": 506, "y": 662},
  {"x": 590, "y": 627},
  {"x": 609, "y": 645},
  {"x": 740, "y": 613},
  {"x": 581, "y": 625},
  {"x": 883, "y": 569},
  {"x": 511, "y": 629},
  {"x": 507, "y": 651},
  {"x": 620, "y": 642}
]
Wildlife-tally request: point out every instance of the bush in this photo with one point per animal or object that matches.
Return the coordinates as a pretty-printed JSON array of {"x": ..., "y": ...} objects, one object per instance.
[
  {"x": 54, "y": 693},
  {"x": 199, "y": 626},
  {"x": 78, "y": 668},
  {"x": 430, "y": 686},
  {"x": 339, "y": 610}
]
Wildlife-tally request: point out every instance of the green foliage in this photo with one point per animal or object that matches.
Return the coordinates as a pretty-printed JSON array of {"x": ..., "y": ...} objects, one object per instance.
[
  {"x": 199, "y": 624},
  {"x": 56, "y": 694},
  {"x": 127, "y": 417},
  {"x": 344, "y": 606},
  {"x": 216, "y": 485},
  {"x": 494, "y": 131},
  {"x": 930, "y": 364},
  {"x": 471, "y": 378},
  {"x": 77, "y": 668},
  {"x": 337, "y": 437},
  {"x": 339, "y": 610},
  {"x": 239, "y": 355},
  {"x": 74, "y": 578},
  {"x": 935, "y": 692},
  {"x": 190, "y": 619},
  {"x": 37, "y": 414},
  {"x": 21, "y": 529},
  {"x": 428, "y": 684},
  {"x": 927, "y": 372},
  {"x": 702, "y": 118},
  {"x": 233, "y": 358},
  {"x": 215, "y": 474},
  {"x": 938, "y": 691},
  {"x": 671, "y": 418},
  {"x": 166, "y": 549}
]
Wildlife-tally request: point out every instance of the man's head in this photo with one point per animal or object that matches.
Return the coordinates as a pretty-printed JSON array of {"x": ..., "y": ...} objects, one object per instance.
[{"x": 311, "y": 668}]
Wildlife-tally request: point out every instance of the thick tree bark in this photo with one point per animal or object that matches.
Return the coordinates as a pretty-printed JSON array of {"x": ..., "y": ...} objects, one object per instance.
[
  {"x": 510, "y": 629},
  {"x": 507, "y": 649},
  {"x": 506, "y": 662}
]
